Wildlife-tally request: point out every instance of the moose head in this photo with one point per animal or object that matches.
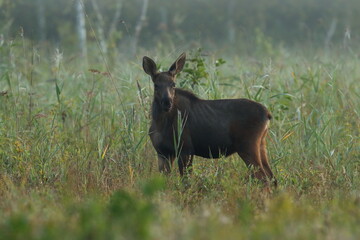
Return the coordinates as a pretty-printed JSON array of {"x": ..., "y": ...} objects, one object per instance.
[{"x": 164, "y": 82}]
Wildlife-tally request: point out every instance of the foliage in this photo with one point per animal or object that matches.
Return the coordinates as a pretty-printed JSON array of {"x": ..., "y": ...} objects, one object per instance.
[
  {"x": 197, "y": 71},
  {"x": 76, "y": 161},
  {"x": 194, "y": 70}
]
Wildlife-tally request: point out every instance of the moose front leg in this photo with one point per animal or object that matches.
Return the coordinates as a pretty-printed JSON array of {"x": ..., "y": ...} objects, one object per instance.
[{"x": 165, "y": 163}]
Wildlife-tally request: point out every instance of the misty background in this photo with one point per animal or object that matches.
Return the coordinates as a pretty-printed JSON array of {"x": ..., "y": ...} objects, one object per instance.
[{"x": 130, "y": 26}]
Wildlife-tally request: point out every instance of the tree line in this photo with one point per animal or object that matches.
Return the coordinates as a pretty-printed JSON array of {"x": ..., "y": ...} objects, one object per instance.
[{"x": 147, "y": 23}]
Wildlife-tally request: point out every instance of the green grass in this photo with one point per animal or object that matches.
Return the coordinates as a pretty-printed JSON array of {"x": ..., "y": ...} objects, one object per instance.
[{"x": 76, "y": 161}]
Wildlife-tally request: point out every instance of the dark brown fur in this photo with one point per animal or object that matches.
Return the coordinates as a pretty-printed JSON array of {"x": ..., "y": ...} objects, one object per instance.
[{"x": 209, "y": 128}]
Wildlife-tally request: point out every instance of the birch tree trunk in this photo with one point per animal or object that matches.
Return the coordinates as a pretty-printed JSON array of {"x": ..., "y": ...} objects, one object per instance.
[
  {"x": 230, "y": 22},
  {"x": 81, "y": 29},
  {"x": 139, "y": 26},
  {"x": 330, "y": 33},
  {"x": 100, "y": 27},
  {"x": 41, "y": 20},
  {"x": 100, "y": 24},
  {"x": 112, "y": 28}
]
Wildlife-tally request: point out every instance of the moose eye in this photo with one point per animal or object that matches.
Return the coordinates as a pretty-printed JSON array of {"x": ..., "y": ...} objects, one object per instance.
[
  {"x": 156, "y": 86},
  {"x": 172, "y": 85}
]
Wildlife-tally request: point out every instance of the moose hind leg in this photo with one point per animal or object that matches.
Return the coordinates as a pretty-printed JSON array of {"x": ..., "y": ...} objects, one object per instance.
[
  {"x": 189, "y": 167},
  {"x": 252, "y": 159},
  {"x": 265, "y": 160},
  {"x": 185, "y": 164}
]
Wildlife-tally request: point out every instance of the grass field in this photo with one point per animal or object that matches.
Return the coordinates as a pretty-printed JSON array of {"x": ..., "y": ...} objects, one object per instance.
[{"x": 76, "y": 161}]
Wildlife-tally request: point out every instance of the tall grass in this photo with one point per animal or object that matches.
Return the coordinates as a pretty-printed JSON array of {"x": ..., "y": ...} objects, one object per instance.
[{"x": 76, "y": 161}]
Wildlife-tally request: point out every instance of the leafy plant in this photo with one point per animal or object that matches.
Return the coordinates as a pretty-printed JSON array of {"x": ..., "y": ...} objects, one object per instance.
[{"x": 196, "y": 69}]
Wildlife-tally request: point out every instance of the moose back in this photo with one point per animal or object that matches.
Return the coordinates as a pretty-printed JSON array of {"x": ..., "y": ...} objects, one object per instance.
[{"x": 184, "y": 125}]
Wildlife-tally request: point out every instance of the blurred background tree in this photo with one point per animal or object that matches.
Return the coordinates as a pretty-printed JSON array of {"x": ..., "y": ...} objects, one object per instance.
[{"x": 127, "y": 26}]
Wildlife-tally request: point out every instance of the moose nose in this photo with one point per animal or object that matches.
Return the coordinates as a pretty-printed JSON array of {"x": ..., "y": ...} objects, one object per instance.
[{"x": 166, "y": 103}]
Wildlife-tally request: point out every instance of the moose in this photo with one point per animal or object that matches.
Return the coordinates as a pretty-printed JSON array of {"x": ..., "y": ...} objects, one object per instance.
[{"x": 208, "y": 128}]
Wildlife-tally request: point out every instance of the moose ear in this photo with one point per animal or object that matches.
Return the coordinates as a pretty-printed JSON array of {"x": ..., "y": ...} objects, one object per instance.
[
  {"x": 178, "y": 65},
  {"x": 149, "y": 66}
]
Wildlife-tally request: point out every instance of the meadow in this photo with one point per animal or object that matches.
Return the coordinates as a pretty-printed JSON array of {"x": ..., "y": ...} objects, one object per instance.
[{"x": 76, "y": 161}]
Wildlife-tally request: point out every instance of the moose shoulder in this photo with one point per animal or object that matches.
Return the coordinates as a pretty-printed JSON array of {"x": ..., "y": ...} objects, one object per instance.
[{"x": 208, "y": 128}]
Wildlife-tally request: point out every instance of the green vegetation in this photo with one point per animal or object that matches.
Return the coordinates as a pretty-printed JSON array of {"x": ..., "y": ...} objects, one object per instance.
[{"x": 76, "y": 161}]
